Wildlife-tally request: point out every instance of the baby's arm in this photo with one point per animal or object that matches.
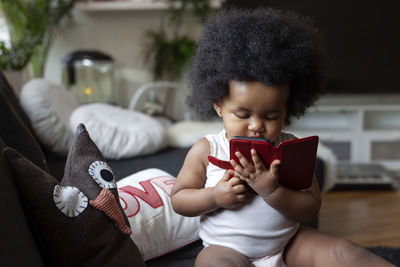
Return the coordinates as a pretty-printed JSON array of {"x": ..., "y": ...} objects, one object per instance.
[
  {"x": 300, "y": 206},
  {"x": 190, "y": 198}
]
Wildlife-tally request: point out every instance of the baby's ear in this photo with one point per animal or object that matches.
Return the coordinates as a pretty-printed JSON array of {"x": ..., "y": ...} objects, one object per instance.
[{"x": 218, "y": 108}]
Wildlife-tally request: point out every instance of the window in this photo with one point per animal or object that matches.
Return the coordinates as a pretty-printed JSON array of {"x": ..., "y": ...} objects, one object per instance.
[{"x": 4, "y": 35}]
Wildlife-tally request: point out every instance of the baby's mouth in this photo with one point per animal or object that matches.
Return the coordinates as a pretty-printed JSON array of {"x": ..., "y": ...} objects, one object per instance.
[{"x": 106, "y": 203}]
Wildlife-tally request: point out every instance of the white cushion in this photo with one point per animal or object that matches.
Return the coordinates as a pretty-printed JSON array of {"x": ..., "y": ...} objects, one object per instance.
[
  {"x": 48, "y": 106},
  {"x": 331, "y": 164},
  {"x": 156, "y": 228},
  {"x": 187, "y": 133},
  {"x": 120, "y": 133}
]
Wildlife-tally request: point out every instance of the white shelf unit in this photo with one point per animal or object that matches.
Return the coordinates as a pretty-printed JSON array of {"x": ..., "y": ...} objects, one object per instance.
[
  {"x": 358, "y": 128},
  {"x": 127, "y": 5}
]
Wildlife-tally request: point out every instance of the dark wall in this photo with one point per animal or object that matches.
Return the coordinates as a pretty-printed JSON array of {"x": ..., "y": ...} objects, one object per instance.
[{"x": 362, "y": 38}]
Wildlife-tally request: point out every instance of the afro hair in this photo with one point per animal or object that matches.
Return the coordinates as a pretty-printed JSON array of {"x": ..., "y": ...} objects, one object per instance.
[{"x": 265, "y": 45}]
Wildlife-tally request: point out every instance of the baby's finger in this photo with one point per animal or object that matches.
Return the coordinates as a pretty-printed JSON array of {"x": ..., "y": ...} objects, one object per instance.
[
  {"x": 240, "y": 197},
  {"x": 235, "y": 180},
  {"x": 274, "y": 169},
  {"x": 242, "y": 177},
  {"x": 258, "y": 164},
  {"x": 243, "y": 160},
  {"x": 236, "y": 166},
  {"x": 239, "y": 189},
  {"x": 228, "y": 175}
]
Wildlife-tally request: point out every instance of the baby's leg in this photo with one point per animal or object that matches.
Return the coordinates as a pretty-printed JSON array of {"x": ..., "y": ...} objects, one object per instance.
[
  {"x": 310, "y": 247},
  {"x": 220, "y": 256}
]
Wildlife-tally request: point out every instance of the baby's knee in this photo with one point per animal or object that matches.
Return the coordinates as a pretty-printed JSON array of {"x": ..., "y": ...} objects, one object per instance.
[{"x": 347, "y": 253}]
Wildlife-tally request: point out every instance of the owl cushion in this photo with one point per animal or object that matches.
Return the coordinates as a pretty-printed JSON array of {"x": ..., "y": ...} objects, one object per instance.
[{"x": 79, "y": 221}]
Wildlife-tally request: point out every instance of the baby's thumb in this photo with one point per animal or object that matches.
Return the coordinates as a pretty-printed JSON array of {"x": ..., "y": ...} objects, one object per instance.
[
  {"x": 228, "y": 175},
  {"x": 274, "y": 168}
]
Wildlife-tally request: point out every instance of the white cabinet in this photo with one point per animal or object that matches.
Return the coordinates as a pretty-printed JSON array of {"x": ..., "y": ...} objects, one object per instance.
[{"x": 362, "y": 128}]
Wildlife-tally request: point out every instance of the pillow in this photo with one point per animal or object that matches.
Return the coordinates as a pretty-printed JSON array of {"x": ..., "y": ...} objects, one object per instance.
[
  {"x": 79, "y": 221},
  {"x": 187, "y": 133},
  {"x": 120, "y": 133},
  {"x": 330, "y": 169},
  {"x": 16, "y": 134},
  {"x": 145, "y": 197},
  {"x": 48, "y": 107}
]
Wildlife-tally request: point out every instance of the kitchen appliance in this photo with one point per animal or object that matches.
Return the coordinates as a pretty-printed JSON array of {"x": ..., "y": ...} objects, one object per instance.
[{"x": 90, "y": 75}]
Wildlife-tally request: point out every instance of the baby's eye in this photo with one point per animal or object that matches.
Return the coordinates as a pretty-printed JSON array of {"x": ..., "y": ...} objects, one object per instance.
[
  {"x": 102, "y": 174},
  {"x": 242, "y": 116},
  {"x": 271, "y": 118}
]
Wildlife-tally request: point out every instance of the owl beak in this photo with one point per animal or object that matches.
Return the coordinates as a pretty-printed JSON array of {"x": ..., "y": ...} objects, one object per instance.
[{"x": 107, "y": 204}]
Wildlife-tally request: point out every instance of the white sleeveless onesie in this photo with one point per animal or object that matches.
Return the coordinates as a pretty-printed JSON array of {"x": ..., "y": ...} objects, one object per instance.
[{"x": 255, "y": 229}]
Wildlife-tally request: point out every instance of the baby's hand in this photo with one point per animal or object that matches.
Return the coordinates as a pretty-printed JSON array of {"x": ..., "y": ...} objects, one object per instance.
[
  {"x": 264, "y": 181},
  {"x": 229, "y": 192}
]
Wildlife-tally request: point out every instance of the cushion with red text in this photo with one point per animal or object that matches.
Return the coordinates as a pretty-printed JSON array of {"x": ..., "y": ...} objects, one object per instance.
[{"x": 146, "y": 199}]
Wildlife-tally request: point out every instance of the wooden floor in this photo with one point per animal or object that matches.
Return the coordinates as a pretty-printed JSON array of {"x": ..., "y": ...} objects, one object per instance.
[{"x": 368, "y": 218}]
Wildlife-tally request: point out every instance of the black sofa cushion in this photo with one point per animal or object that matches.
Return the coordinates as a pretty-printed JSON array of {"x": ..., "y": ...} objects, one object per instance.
[
  {"x": 8, "y": 92},
  {"x": 15, "y": 233},
  {"x": 13, "y": 129}
]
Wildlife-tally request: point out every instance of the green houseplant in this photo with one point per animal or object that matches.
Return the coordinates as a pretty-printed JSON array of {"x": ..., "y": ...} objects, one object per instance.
[
  {"x": 18, "y": 55},
  {"x": 31, "y": 25},
  {"x": 169, "y": 52}
]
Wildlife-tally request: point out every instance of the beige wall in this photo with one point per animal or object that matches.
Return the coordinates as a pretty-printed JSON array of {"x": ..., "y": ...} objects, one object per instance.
[{"x": 118, "y": 33}]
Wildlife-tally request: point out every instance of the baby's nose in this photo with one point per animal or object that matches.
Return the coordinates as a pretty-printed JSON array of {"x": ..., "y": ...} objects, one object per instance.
[{"x": 256, "y": 125}]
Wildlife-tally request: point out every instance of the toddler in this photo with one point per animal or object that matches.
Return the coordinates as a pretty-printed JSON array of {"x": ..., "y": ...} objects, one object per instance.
[{"x": 256, "y": 70}]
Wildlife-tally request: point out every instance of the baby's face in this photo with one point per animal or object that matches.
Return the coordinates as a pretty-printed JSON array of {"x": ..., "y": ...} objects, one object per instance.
[{"x": 253, "y": 109}]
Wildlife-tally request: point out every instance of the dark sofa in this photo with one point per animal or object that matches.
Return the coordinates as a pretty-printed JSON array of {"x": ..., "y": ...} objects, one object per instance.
[{"x": 17, "y": 245}]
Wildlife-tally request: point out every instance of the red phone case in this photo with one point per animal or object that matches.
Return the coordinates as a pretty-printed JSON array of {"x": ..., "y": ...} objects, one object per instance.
[{"x": 297, "y": 158}]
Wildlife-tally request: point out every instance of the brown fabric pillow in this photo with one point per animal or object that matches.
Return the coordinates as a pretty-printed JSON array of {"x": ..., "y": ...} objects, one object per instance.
[{"x": 79, "y": 221}]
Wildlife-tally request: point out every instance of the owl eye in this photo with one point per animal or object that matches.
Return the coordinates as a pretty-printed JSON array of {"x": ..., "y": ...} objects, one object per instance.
[
  {"x": 102, "y": 174},
  {"x": 69, "y": 200}
]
